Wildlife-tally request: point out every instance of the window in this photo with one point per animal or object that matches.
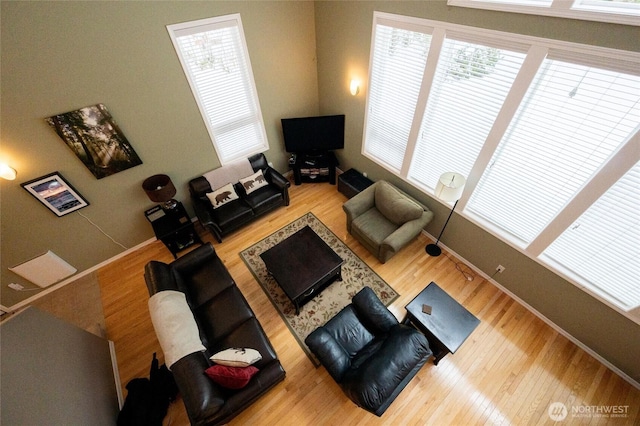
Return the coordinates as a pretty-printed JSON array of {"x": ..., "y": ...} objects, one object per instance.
[
  {"x": 542, "y": 130},
  {"x": 571, "y": 121},
  {"x": 470, "y": 85},
  {"x": 396, "y": 75},
  {"x": 616, "y": 11},
  {"x": 214, "y": 56},
  {"x": 602, "y": 247}
]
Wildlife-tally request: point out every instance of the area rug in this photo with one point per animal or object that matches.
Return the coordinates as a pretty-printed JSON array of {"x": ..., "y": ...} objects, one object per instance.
[{"x": 355, "y": 275}]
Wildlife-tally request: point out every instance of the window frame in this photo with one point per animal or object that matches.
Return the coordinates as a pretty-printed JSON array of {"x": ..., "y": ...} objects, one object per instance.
[
  {"x": 261, "y": 144},
  {"x": 571, "y": 9},
  {"x": 539, "y": 48}
]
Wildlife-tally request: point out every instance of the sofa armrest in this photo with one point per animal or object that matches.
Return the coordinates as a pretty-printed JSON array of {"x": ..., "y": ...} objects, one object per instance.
[
  {"x": 275, "y": 178},
  {"x": 404, "y": 234},
  {"x": 158, "y": 277},
  {"x": 202, "y": 398},
  {"x": 200, "y": 256},
  {"x": 372, "y": 312},
  {"x": 329, "y": 352},
  {"x": 359, "y": 204}
]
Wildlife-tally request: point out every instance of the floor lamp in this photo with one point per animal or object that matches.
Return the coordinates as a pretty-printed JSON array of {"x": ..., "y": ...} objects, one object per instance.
[{"x": 449, "y": 188}]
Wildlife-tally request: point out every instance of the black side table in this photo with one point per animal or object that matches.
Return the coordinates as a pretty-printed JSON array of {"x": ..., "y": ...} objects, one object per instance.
[
  {"x": 446, "y": 323},
  {"x": 173, "y": 227}
]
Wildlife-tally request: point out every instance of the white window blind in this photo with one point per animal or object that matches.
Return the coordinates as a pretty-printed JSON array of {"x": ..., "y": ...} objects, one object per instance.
[
  {"x": 397, "y": 67},
  {"x": 214, "y": 57},
  {"x": 571, "y": 121},
  {"x": 470, "y": 84},
  {"x": 602, "y": 247}
]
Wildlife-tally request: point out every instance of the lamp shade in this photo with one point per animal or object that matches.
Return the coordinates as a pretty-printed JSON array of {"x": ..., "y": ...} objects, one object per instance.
[
  {"x": 450, "y": 186},
  {"x": 159, "y": 188}
]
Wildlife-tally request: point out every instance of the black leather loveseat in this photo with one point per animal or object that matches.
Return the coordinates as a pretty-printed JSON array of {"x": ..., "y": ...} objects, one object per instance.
[
  {"x": 368, "y": 353},
  {"x": 222, "y": 219},
  {"x": 224, "y": 320}
]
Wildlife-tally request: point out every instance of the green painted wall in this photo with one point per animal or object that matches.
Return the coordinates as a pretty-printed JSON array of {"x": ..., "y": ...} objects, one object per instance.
[
  {"x": 343, "y": 41},
  {"x": 60, "y": 56}
]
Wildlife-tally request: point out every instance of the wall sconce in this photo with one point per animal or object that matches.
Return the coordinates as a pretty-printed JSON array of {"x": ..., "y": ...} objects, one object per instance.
[
  {"x": 8, "y": 173},
  {"x": 354, "y": 88}
]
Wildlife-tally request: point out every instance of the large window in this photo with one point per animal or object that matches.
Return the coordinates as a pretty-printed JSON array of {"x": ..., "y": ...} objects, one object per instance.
[
  {"x": 546, "y": 132},
  {"x": 214, "y": 56}
]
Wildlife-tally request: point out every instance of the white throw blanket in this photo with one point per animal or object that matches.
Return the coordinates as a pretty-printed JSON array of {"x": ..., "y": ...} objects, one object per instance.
[
  {"x": 230, "y": 173},
  {"x": 175, "y": 325}
]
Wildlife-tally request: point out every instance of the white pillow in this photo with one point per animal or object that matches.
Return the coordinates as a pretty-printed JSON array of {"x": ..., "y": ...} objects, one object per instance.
[
  {"x": 237, "y": 357},
  {"x": 253, "y": 182},
  {"x": 222, "y": 196}
]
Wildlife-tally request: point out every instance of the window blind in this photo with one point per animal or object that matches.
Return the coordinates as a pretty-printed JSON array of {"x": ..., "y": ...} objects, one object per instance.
[
  {"x": 603, "y": 246},
  {"x": 470, "y": 84},
  {"x": 397, "y": 67},
  {"x": 214, "y": 57},
  {"x": 571, "y": 121}
]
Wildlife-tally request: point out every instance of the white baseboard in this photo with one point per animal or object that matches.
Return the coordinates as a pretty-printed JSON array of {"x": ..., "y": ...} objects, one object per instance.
[{"x": 535, "y": 312}]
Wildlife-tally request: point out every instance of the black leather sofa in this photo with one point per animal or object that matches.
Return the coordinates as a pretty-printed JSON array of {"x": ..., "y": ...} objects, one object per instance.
[
  {"x": 224, "y": 320},
  {"x": 231, "y": 216},
  {"x": 368, "y": 353}
]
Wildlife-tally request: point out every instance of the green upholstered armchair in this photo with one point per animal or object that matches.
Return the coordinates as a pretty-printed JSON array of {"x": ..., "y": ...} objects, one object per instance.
[{"x": 384, "y": 219}]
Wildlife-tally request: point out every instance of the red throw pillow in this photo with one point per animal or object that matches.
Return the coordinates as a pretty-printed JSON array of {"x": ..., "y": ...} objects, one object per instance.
[{"x": 231, "y": 377}]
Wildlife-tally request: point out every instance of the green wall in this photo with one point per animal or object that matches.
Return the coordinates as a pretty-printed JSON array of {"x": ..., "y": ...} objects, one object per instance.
[
  {"x": 60, "y": 56},
  {"x": 343, "y": 40}
]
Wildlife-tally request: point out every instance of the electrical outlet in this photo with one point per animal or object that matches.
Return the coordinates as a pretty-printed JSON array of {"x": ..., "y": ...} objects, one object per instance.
[
  {"x": 16, "y": 287},
  {"x": 500, "y": 269}
]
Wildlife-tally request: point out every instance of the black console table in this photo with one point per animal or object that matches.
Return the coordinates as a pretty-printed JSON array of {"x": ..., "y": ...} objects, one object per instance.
[
  {"x": 173, "y": 227},
  {"x": 315, "y": 168}
]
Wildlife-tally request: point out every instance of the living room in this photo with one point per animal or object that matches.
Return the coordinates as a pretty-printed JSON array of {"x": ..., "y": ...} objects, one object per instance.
[{"x": 60, "y": 56}]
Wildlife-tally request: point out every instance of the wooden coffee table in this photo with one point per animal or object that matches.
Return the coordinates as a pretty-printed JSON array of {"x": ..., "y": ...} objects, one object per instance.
[
  {"x": 448, "y": 325},
  {"x": 302, "y": 265}
]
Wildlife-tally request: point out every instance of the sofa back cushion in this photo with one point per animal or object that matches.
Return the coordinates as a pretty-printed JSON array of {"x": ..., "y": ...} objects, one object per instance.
[{"x": 395, "y": 206}]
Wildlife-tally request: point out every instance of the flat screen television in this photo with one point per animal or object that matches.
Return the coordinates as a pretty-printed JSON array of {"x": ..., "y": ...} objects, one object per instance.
[{"x": 313, "y": 134}]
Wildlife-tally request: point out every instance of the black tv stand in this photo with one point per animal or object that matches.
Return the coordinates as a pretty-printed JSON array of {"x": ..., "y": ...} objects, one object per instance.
[{"x": 315, "y": 167}]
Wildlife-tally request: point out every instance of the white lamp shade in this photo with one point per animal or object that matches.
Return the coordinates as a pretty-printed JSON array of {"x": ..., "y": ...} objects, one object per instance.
[{"x": 450, "y": 186}]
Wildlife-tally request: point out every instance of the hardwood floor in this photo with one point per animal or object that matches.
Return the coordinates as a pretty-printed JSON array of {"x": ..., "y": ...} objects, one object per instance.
[{"x": 508, "y": 372}]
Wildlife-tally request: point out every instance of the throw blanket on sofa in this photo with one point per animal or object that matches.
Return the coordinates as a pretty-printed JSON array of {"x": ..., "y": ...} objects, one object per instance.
[
  {"x": 230, "y": 173},
  {"x": 175, "y": 325}
]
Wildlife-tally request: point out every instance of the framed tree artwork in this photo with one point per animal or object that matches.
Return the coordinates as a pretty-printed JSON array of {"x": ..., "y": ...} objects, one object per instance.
[
  {"x": 56, "y": 194},
  {"x": 93, "y": 135}
]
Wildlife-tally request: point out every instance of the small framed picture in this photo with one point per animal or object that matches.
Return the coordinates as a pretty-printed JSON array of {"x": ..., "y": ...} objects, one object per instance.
[{"x": 56, "y": 193}]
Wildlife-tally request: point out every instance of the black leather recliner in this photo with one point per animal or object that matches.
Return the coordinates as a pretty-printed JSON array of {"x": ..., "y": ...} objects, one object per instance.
[
  {"x": 368, "y": 353},
  {"x": 225, "y": 320},
  {"x": 233, "y": 215}
]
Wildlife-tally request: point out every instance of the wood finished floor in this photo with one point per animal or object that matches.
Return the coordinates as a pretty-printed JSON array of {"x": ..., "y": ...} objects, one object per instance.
[{"x": 508, "y": 372}]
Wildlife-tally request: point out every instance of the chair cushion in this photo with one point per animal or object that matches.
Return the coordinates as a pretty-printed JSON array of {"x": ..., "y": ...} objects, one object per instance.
[
  {"x": 372, "y": 227},
  {"x": 231, "y": 377},
  {"x": 232, "y": 214},
  {"x": 394, "y": 205}
]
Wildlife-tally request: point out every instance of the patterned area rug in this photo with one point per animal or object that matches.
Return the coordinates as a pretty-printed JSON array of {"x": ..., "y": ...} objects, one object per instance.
[{"x": 355, "y": 275}]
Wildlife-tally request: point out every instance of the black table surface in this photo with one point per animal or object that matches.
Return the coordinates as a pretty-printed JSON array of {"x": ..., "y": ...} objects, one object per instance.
[
  {"x": 450, "y": 322},
  {"x": 300, "y": 261}
]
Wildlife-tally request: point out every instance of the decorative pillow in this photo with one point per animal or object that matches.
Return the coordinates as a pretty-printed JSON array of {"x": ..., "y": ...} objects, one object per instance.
[
  {"x": 231, "y": 377},
  {"x": 253, "y": 182},
  {"x": 395, "y": 206},
  {"x": 237, "y": 357},
  {"x": 222, "y": 196}
]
